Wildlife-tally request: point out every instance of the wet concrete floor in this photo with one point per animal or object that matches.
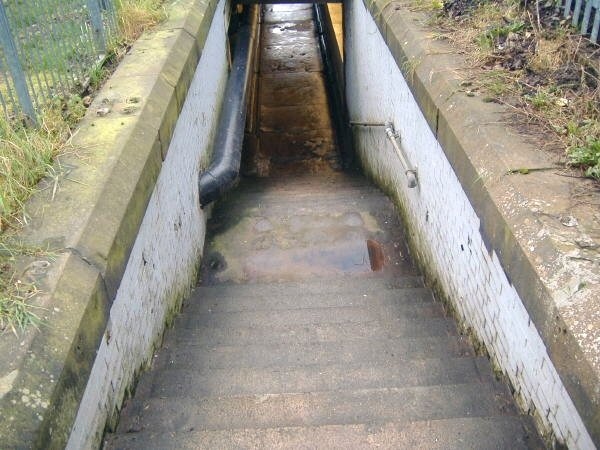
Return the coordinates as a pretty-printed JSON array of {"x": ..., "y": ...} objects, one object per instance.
[
  {"x": 298, "y": 228},
  {"x": 298, "y": 215},
  {"x": 295, "y": 129}
]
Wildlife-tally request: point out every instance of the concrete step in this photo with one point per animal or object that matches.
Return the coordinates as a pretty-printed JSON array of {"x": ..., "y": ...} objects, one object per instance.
[
  {"x": 212, "y": 337},
  {"x": 317, "y": 408},
  {"x": 277, "y": 189},
  {"x": 297, "y": 145},
  {"x": 319, "y": 332},
  {"x": 350, "y": 286},
  {"x": 418, "y": 306},
  {"x": 279, "y": 380},
  {"x": 301, "y": 200},
  {"x": 236, "y": 298},
  {"x": 395, "y": 315},
  {"x": 275, "y": 182},
  {"x": 303, "y": 85},
  {"x": 288, "y": 16},
  {"x": 480, "y": 433},
  {"x": 293, "y": 354}
]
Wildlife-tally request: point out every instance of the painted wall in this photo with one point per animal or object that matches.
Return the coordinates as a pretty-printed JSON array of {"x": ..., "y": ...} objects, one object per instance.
[
  {"x": 445, "y": 229},
  {"x": 163, "y": 264}
]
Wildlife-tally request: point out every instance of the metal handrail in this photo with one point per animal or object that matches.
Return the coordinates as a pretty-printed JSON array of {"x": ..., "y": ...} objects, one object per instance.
[{"x": 394, "y": 137}]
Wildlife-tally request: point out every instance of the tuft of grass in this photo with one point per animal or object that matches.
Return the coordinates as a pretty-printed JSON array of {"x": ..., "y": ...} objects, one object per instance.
[
  {"x": 16, "y": 312},
  {"x": 97, "y": 76},
  {"x": 26, "y": 156},
  {"x": 487, "y": 40},
  {"x": 495, "y": 82},
  {"x": 136, "y": 16},
  {"x": 548, "y": 54},
  {"x": 540, "y": 100},
  {"x": 587, "y": 156},
  {"x": 437, "y": 5},
  {"x": 427, "y": 5}
]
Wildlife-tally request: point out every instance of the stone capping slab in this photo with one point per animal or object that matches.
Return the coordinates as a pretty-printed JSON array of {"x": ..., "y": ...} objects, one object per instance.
[
  {"x": 521, "y": 215},
  {"x": 88, "y": 218}
]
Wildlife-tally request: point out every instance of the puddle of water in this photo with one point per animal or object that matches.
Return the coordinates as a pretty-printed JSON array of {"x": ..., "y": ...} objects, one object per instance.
[
  {"x": 298, "y": 263},
  {"x": 321, "y": 258}
]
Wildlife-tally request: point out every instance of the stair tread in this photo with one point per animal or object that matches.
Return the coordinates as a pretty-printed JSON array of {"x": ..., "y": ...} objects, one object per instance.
[
  {"x": 308, "y": 334},
  {"x": 266, "y": 333},
  {"x": 281, "y": 203},
  {"x": 343, "y": 290},
  {"x": 404, "y": 301},
  {"x": 314, "y": 315},
  {"x": 202, "y": 382},
  {"x": 202, "y": 354},
  {"x": 319, "y": 408},
  {"x": 352, "y": 285},
  {"x": 482, "y": 433}
]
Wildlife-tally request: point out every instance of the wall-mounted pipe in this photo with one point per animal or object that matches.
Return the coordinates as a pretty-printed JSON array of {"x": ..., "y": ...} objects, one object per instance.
[
  {"x": 223, "y": 171},
  {"x": 409, "y": 171}
]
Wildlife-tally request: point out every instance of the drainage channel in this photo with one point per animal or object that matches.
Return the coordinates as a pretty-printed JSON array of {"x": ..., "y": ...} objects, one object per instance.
[{"x": 310, "y": 326}]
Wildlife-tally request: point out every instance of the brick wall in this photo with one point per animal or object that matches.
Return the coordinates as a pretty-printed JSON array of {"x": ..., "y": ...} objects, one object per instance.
[
  {"x": 163, "y": 263},
  {"x": 445, "y": 230}
]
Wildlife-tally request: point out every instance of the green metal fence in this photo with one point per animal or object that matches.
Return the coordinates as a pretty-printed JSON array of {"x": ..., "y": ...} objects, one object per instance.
[
  {"x": 49, "y": 48},
  {"x": 585, "y": 15}
]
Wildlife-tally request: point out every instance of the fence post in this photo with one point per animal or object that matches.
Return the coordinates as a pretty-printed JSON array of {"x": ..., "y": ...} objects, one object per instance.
[
  {"x": 14, "y": 65},
  {"x": 97, "y": 24}
]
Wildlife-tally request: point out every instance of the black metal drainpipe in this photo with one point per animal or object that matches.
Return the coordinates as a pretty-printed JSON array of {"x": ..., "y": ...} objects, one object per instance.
[{"x": 223, "y": 171}]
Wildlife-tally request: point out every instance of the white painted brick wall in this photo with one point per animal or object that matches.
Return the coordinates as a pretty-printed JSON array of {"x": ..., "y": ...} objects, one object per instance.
[
  {"x": 163, "y": 263},
  {"x": 441, "y": 219}
]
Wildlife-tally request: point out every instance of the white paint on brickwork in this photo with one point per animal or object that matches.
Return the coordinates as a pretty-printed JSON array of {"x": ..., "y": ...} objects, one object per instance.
[
  {"x": 163, "y": 263},
  {"x": 445, "y": 228}
]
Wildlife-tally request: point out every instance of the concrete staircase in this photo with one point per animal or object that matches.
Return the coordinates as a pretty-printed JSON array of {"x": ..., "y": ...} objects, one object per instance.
[
  {"x": 314, "y": 349},
  {"x": 311, "y": 327}
]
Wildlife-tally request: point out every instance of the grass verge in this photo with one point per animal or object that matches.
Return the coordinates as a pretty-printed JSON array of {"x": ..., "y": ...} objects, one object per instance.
[
  {"x": 135, "y": 16},
  {"x": 527, "y": 56},
  {"x": 27, "y": 155}
]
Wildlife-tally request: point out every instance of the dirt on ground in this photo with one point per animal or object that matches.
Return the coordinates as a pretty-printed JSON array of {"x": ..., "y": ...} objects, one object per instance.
[{"x": 528, "y": 56}]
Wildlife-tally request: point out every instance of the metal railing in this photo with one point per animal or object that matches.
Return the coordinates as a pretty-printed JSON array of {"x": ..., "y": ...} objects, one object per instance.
[
  {"x": 394, "y": 137},
  {"x": 585, "y": 15},
  {"x": 49, "y": 49}
]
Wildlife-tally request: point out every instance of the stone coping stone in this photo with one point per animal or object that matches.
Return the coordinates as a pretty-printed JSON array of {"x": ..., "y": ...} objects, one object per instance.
[
  {"x": 87, "y": 218},
  {"x": 544, "y": 225}
]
